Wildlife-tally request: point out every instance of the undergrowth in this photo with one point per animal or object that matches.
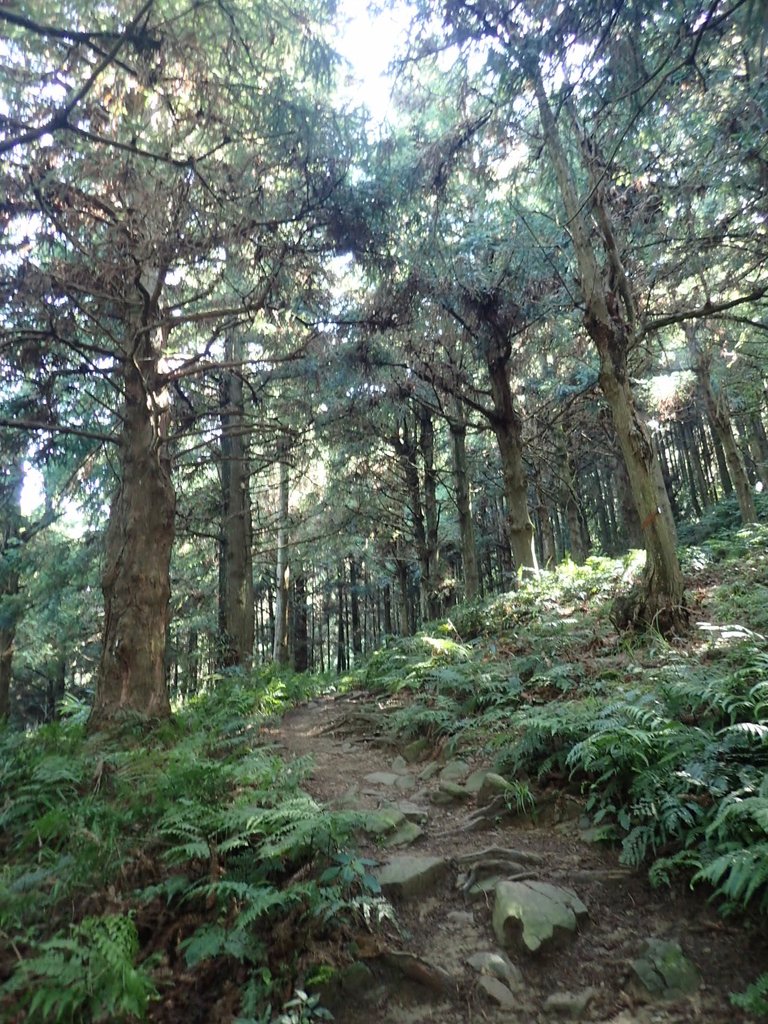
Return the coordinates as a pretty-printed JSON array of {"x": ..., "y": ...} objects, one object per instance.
[
  {"x": 131, "y": 859},
  {"x": 665, "y": 742}
]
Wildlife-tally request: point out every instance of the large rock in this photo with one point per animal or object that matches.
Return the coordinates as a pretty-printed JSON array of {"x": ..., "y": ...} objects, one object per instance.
[
  {"x": 535, "y": 914},
  {"x": 491, "y": 786},
  {"x": 382, "y": 778},
  {"x": 664, "y": 971},
  {"x": 411, "y": 875},
  {"x": 569, "y": 1005},
  {"x": 497, "y": 992},
  {"x": 448, "y": 793},
  {"x": 455, "y": 771}
]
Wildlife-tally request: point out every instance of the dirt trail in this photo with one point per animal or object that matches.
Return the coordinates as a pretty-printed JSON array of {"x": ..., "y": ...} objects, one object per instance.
[{"x": 422, "y": 973}]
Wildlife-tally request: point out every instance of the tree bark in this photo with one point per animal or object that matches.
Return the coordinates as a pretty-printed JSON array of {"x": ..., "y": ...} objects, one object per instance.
[
  {"x": 236, "y": 606},
  {"x": 300, "y": 644},
  {"x": 11, "y": 483},
  {"x": 458, "y": 429},
  {"x": 508, "y": 429},
  {"x": 136, "y": 578},
  {"x": 431, "y": 512},
  {"x": 283, "y": 572}
]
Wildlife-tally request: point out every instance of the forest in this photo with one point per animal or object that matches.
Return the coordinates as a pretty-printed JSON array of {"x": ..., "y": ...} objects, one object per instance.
[{"x": 445, "y": 425}]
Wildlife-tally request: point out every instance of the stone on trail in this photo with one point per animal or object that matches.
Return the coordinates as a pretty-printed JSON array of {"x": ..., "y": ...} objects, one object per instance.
[
  {"x": 475, "y": 781},
  {"x": 497, "y": 992},
  {"x": 386, "y": 819},
  {"x": 381, "y": 778},
  {"x": 455, "y": 771},
  {"x": 411, "y": 875},
  {"x": 448, "y": 793},
  {"x": 399, "y": 765},
  {"x": 405, "y": 782},
  {"x": 571, "y": 1005},
  {"x": 413, "y": 811},
  {"x": 429, "y": 771},
  {"x": 664, "y": 971},
  {"x": 498, "y": 965},
  {"x": 403, "y": 835},
  {"x": 535, "y": 914},
  {"x": 492, "y": 786}
]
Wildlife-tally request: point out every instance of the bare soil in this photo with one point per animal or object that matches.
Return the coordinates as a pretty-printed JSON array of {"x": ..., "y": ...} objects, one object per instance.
[{"x": 442, "y": 928}]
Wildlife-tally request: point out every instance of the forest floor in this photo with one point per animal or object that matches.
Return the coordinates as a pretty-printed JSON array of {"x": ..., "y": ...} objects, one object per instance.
[{"x": 417, "y": 970}]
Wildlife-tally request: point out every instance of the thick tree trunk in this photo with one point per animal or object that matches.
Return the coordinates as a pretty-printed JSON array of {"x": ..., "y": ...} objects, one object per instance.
[
  {"x": 610, "y": 319},
  {"x": 574, "y": 515},
  {"x": 7, "y": 637},
  {"x": 236, "y": 608},
  {"x": 300, "y": 644},
  {"x": 508, "y": 429},
  {"x": 136, "y": 579},
  {"x": 11, "y": 483},
  {"x": 283, "y": 573},
  {"x": 463, "y": 497},
  {"x": 758, "y": 444}
]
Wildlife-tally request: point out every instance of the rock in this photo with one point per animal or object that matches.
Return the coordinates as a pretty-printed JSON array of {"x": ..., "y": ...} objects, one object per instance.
[
  {"x": 403, "y": 835},
  {"x": 448, "y": 792},
  {"x": 414, "y": 751},
  {"x": 497, "y": 992},
  {"x": 535, "y": 914},
  {"x": 411, "y": 875},
  {"x": 429, "y": 771},
  {"x": 492, "y": 786},
  {"x": 455, "y": 771},
  {"x": 399, "y": 765},
  {"x": 572, "y": 1005},
  {"x": 664, "y": 971},
  {"x": 386, "y": 819},
  {"x": 381, "y": 778},
  {"x": 405, "y": 782},
  {"x": 413, "y": 812},
  {"x": 475, "y": 781},
  {"x": 497, "y": 965},
  {"x": 482, "y": 888}
]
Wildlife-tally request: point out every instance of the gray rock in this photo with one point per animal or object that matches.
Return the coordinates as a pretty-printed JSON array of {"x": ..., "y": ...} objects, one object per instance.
[
  {"x": 497, "y": 992},
  {"x": 454, "y": 771},
  {"x": 403, "y": 835},
  {"x": 448, "y": 793},
  {"x": 381, "y": 778},
  {"x": 475, "y": 781},
  {"x": 399, "y": 765},
  {"x": 413, "y": 812},
  {"x": 497, "y": 965},
  {"x": 534, "y": 914},
  {"x": 664, "y": 971},
  {"x": 411, "y": 875},
  {"x": 492, "y": 786},
  {"x": 572, "y": 1005},
  {"x": 386, "y": 819},
  {"x": 405, "y": 782},
  {"x": 429, "y": 771}
]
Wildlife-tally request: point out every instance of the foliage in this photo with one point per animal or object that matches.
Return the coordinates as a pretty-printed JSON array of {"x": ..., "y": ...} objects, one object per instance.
[{"x": 199, "y": 822}]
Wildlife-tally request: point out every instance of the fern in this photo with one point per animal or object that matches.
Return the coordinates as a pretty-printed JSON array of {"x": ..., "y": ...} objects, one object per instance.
[{"x": 89, "y": 974}]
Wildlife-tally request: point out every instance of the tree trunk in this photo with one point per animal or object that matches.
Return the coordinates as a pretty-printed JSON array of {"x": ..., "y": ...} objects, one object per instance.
[
  {"x": 720, "y": 418},
  {"x": 508, "y": 429},
  {"x": 283, "y": 572},
  {"x": 354, "y": 597},
  {"x": 758, "y": 443},
  {"x": 610, "y": 319},
  {"x": 431, "y": 513},
  {"x": 236, "y": 608},
  {"x": 136, "y": 579},
  {"x": 300, "y": 634},
  {"x": 463, "y": 497}
]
